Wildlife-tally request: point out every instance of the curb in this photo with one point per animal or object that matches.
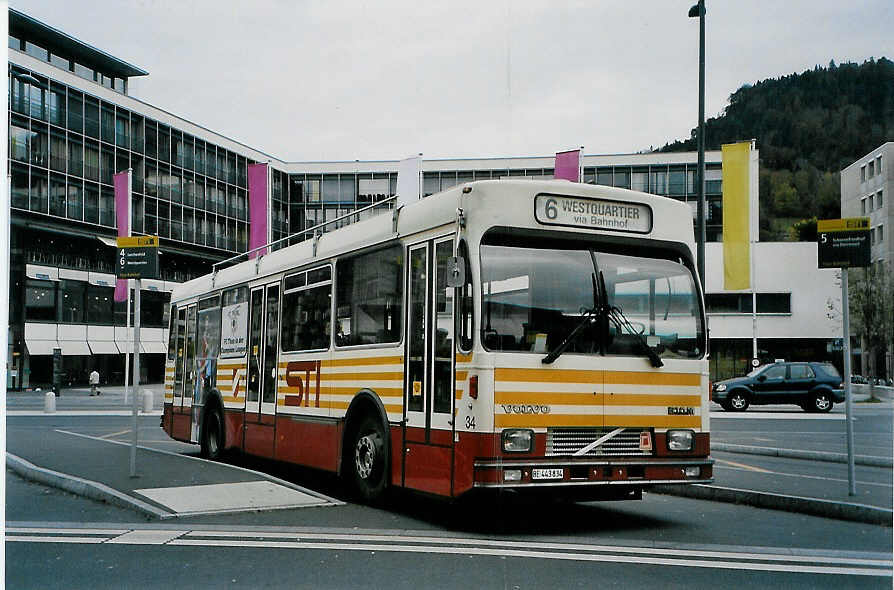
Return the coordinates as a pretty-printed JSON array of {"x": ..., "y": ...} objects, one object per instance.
[
  {"x": 81, "y": 487},
  {"x": 813, "y": 506},
  {"x": 867, "y": 460}
]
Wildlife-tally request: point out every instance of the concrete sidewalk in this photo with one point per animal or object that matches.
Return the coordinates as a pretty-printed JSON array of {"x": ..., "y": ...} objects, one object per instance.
[{"x": 167, "y": 485}]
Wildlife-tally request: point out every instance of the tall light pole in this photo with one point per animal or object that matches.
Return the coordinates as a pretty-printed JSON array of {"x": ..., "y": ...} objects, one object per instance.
[{"x": 698, "y": 10}]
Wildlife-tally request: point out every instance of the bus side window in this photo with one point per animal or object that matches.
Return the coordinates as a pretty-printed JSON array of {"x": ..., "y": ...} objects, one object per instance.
[{"x": 368, "y": 301}]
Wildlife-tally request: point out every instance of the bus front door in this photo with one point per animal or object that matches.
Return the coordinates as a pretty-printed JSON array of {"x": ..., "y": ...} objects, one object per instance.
[
  {"x": 260, "y": 398},
  {"x": 428, "y": 383}
]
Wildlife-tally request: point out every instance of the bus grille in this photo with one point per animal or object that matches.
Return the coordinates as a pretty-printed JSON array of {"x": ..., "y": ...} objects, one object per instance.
[{"x": 567, "y": 441}]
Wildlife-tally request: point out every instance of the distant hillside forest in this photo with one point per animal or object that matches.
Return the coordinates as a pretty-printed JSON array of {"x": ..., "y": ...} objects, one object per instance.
[{"x": 808, "y": 128}]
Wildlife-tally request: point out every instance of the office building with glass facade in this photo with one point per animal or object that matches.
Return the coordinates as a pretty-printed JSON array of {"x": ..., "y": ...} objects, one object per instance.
[{"x": 73, "y": 124}]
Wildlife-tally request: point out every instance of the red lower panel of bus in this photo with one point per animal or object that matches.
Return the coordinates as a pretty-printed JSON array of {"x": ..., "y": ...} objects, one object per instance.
[
  {"x": 259, "y": 434},
  {"x": 312, "y": 443},
  {"x": 233, "y": 423},
  {"x": 181, "y": 427}
]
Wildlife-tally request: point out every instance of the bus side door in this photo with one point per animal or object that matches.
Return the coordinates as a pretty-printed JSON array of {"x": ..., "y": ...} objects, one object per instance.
[
  {"x": 263, "y": 345},
  {"x": 428, "y": 382}
]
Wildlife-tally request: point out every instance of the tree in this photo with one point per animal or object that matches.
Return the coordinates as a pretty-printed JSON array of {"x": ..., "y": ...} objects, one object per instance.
[{"x": 872, "y": 314}]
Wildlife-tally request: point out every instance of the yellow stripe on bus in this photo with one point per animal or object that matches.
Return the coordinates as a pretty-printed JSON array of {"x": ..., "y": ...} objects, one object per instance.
[
  {"x": 586, "y": 399},
  {"x": 590, "y": 376},
  {"x": 390, "y": 376},
  {"x": 595, "y": 420},
  {"x": 649, "y": 378},
  {"x": 463, "y": 358},
  {"x": 359, "y": 362}
]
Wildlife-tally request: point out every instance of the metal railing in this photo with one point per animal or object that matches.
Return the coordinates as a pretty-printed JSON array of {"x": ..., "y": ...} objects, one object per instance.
[{"x": 277, "y": 244}]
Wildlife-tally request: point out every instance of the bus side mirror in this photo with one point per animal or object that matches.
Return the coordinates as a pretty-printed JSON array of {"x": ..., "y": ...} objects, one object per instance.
[{"x": 456, "y": 272}]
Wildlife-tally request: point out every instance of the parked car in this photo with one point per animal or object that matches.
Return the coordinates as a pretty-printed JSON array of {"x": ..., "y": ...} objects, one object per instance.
[
  {"x": 816, "y": 387},
  {"x": 859, "y": 379}
]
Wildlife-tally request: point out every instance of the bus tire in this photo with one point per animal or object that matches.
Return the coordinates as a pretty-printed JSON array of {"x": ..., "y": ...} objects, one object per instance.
[
  {"x": 367, "y": 460},
  {"x": 213, "y": 434}
]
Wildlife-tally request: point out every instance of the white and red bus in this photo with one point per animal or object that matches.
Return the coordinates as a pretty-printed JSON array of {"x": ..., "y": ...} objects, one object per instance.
[{"x": 541, "y": 336}]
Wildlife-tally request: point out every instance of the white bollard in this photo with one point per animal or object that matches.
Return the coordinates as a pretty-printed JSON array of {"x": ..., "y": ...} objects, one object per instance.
[
  {"x": 49, "y": 402},
  {"x": 147, "y": 400}
]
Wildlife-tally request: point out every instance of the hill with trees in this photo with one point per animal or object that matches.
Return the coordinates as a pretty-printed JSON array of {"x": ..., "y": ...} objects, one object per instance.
[{"x": 808, "y": 127}]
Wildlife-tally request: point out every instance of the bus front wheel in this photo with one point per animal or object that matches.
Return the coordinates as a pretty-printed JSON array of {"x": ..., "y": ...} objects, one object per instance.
[{"x": 368, "y": 460}]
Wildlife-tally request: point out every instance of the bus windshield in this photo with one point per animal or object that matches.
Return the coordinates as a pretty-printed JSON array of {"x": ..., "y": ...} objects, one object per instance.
[{"x": 533, "y": 298}]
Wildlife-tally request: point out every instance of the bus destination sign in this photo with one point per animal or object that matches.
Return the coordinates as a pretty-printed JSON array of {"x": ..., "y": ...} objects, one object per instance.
[
  {"x": 593, "y": 213},
  {"x": 137, "y": 258},
  {"x": 843, "y": 243}
]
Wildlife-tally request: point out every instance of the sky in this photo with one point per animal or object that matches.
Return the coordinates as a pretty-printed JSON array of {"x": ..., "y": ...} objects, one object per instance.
[{"x": 384, "y": 80}]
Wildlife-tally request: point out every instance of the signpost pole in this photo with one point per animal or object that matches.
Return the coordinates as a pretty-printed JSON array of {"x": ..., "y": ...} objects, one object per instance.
[
  {"x": 845, "y": 244},
  {"x": 136, "y": 370},
  {"x": 848, "y": 402}
]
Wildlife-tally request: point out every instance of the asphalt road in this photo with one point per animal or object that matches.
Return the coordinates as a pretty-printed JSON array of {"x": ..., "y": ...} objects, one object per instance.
[{"x": 57, "y": 540}]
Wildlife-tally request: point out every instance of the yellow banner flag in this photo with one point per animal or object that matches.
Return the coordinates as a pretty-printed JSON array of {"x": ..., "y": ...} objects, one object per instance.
[{"x": 736, "y": 216}]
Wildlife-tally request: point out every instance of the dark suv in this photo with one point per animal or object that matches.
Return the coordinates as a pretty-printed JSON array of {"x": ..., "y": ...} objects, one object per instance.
[{"x": 816, "y": 387}]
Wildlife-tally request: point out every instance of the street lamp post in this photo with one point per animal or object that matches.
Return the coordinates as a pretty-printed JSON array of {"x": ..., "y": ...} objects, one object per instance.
[{"x": 698, "y": 10}]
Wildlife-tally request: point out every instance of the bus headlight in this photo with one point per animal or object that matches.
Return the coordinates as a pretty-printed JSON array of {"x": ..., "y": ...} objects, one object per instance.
[
  {"x": 518, "y": 441},
  {"x": 680, "y": 440}
]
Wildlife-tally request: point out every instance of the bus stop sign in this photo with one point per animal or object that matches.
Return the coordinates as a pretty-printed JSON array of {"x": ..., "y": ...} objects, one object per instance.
[
  {"x": 843, "y": 243},
  {"x": 137, "y": 258}
]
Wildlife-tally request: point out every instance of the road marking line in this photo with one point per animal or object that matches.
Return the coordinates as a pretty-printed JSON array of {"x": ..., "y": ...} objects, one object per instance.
[
  {"x": 743, "y": 466},
  {"x": 146, "y": 537},
  {"x": 115, "y": 434},
  {"x": 792, "y": 561},
  {"x": 564, "y": 556},
  {"x": 836, "y": 479},
  {"x": 776, "y": 416}
]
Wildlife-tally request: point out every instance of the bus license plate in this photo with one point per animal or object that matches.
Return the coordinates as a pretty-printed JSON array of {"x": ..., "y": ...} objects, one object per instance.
[{"x": 547, "y": 474}]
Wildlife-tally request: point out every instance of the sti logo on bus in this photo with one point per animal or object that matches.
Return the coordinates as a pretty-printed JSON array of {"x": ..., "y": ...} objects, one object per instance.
[{"x": 593, "y": 213}]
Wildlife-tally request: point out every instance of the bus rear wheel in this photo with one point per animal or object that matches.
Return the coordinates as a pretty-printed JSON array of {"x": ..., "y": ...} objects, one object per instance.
[
  {"x": 368, "y": 460},
  {"x": 213, "y": 435}
]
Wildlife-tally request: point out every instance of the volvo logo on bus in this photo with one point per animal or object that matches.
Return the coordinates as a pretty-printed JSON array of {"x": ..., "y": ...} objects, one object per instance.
[{"x": 525, "y": 409}]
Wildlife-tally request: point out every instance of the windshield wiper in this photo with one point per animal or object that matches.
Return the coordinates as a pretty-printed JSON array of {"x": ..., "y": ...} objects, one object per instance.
[
  {"x": 588, "y": 315},
  {"x": 617, "y": 317}
]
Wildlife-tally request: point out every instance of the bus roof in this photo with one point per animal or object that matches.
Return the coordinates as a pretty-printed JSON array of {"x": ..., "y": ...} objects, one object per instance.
[{"x": 485, "y": 204}]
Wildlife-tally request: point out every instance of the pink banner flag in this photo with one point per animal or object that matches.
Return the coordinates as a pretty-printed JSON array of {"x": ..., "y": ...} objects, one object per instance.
[
  {"x": 568, "y": 166},
  {"x": 122, "y": 216},
  {"x": 257, "y": 208}
]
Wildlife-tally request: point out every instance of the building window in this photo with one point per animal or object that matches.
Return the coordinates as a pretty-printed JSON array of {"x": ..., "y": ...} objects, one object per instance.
[
  {"x": 863, "y": 206},
  {"x": 879, "y": 201},
  {"x": 878, "y": 164},
  {"x": 40, "y": 301},
  {"x": 871, "y": 169},
  {"x": 881, "y": 233},
  {"x": 72, "y": 295},
  {"x": 774, "y": 303},
  {"x": 862, "y": 173},
  {"x": 870, "y": 203},
  {"x": 728, "y": 303}
]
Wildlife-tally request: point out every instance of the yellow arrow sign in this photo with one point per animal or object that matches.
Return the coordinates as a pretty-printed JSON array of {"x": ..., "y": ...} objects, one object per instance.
[
  {"x": 138, "y": 242},
  {"x": 849, "y": 224}
]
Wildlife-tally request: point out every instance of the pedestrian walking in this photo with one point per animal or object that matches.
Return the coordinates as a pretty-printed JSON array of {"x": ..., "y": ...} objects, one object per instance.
[{"x": 94, "y": 383}]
